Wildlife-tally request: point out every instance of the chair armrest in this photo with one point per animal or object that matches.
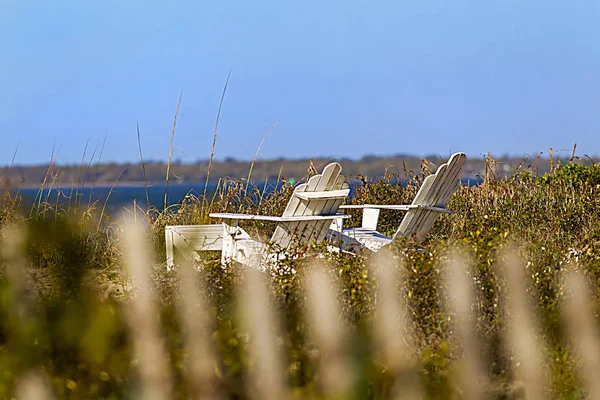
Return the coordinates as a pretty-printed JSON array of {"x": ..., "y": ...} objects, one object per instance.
[
  {"x": 327, "y": 194},
  {"x": 277, "y": 219},
  {"x": 243, "y": 216},
  {"x": 397, "y": 207},
  {"x": 371, "y": 211}
]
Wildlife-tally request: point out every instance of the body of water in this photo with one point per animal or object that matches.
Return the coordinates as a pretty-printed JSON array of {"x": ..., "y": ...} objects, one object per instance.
[
  {"x": 120, "y": 196},
  {"x": 116, "y": 197}
]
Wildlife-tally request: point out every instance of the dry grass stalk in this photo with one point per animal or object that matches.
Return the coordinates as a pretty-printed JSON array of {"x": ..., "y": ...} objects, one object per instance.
[
  {"x": 520, "y": 338},
  {"x": 197, "y": 325},
  {"x": 267, "y": 370},
  {"x": 214, "y": 142},
  {"x": 87, "y": 171},
  {"x": 461, "y": 297},
  {"x": 87, "y": 142},
  {"x": 12, "y": 161},
  {"x": 40, "y": 192},
  {"x": 256, "y": 156},
  {"x": 102, "y": 213},
  {"x": 390, "y": 330},
  {"x": 573, "y": 157},
  {"x": 13, "y": 249},
  {"x": 329, "y": 333},
  {"x": 97, "y": 167},
  {"x": 168, "y": 173},
  {"x": 139, "y": 140},
  {"x": 490, "y": 169},
  {"x": 33, "y": 386},
  {"x": 149, "y": 354},
  {"x": 580, "y": 326},
  {"x": 389, "y": 323},
  {"x": 7, "y": 184}
]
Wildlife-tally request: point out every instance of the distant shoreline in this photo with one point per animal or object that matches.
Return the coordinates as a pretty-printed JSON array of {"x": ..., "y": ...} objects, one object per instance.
[
  {"x": 107, "y": 175},
  {"x": 105, "y": 185}
]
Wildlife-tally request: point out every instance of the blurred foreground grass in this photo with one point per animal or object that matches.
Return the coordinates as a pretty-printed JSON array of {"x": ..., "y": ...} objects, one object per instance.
[{"x": 86, "y": 311}]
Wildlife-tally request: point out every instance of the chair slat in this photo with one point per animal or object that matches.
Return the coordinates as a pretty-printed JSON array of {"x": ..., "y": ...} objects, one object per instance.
[
  {"x": 436, "y": 194},
  {"x": 449, "y": 186},
  {"x": 319, "y": 230},
  {"x": 285, "y": 233}
]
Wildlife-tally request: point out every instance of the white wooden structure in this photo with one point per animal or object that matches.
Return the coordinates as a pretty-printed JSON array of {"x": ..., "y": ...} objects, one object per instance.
[
  {"x": 429, "y": 202},
  {"x": 307, "y": 217}
]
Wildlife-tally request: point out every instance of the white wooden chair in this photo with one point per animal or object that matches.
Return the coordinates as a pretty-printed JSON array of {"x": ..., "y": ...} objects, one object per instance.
[
  {"x": 307, "y": 217},
  {"x": 429, "y": 202}
]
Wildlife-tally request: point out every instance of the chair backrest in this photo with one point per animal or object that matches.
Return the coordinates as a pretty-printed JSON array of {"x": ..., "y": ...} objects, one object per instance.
[
  {"x": 435, "y": 192},
  {"x": 321, "y": 195}
]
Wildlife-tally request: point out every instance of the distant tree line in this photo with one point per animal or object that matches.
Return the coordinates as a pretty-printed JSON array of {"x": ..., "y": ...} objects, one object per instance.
[{"x": 155, "y": 171}]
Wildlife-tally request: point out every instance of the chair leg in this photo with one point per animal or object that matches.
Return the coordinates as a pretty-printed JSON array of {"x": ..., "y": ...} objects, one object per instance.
[
  {"x": 337, "y": 225},
  {"x": 169, "y": 248},
  {"x": 230, "y": 230},
  {"x": 370, "y": 218}
]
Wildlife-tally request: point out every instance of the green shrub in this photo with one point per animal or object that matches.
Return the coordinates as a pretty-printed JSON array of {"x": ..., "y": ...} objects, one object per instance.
[{"x": 573, "y": 174}]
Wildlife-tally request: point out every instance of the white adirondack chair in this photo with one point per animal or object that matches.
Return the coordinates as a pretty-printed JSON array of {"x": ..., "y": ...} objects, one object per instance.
[
  {"x": 429, "y": 202},
  {"x": 307, "y": 217}
]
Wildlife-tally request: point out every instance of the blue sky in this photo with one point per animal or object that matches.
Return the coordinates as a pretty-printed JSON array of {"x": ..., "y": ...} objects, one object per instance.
[{"x": 343, "y": 78}]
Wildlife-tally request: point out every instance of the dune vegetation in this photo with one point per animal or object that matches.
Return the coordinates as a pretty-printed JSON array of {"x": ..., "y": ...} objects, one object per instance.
[{"x": 502, "y": 303}]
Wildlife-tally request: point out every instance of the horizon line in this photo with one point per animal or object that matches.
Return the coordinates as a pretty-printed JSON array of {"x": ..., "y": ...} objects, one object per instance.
[{"x": 365, "y": 157}]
